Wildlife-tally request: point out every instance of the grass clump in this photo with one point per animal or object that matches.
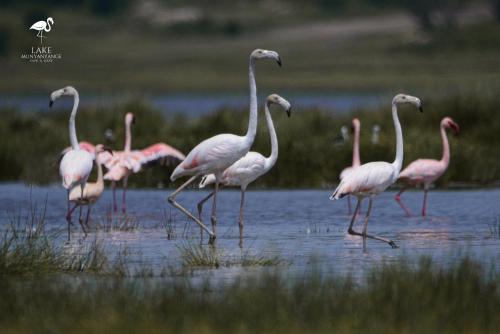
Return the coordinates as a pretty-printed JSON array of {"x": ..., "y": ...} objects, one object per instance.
[{"x": 394, "y": 298}]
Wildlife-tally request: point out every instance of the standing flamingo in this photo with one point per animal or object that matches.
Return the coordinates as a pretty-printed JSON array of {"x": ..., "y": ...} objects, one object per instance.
[
  {"x": 373, "y": 178},
  {"x": 42, "y": 26},
  {"x": 251, "y": 166},
  {"x": 123, "y": 163},
  {"x": 92, "y": 191},
  {"x": 356, "y": 162},
  {"x": 76, "y": 164},
  {"x": 215, "y": 154},
  {"x": 426, "y": 171}
]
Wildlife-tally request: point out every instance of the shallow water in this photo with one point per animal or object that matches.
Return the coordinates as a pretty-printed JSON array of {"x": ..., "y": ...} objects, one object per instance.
[{"x": 298, "y": 226}]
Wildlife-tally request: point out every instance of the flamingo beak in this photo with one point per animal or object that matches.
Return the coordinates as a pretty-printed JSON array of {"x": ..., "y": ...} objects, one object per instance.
[
  {"x": 279, "y": 61},
  {"x": 107, "y": 149},
  {"x": 421, "y": 109},
  {"x": 133, "y": 119},
  {"x": 455, "y": 128},
  {"x": 289, "y": 112},
  {"x": 51, "y": 103}
]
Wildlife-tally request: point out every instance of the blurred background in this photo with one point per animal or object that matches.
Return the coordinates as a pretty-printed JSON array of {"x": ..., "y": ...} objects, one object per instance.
[{"x": 182, "y": 68}]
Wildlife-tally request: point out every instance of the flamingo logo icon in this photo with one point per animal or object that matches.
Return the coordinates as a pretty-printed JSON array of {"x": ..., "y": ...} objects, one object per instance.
[{"x": 42, "y": 26}]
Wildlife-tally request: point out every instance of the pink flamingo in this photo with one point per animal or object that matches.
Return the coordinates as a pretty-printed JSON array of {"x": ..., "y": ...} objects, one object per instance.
[
  {"x": 356, "y": 162},
  {"x": 252, "y": 166},
  {"x": 426, "y": 171},
  {"x": 215, "y": 154},
  {"x": 123, "y": 163},
  {"x": 76, "y": 164},
  {"x": 373, "y": 178}
]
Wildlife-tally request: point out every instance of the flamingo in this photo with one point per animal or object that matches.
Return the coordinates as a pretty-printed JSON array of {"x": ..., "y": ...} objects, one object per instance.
[
  {"x": 371, "y": 179},
  {"x": 42, "y": 26},
  {"x": 121, "y": 164},
  {"x": 215, "y": 154},
  {"x": 92, "y": 190},
  {"x": 251, "y": 166},
  {"x": 426, "y": 171},
  {"x": 76, "y": 164},
  {"x": 356, "y": 162}
]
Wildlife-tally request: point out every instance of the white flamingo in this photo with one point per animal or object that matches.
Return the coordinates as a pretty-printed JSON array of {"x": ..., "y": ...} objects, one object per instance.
[
  {"x": 42, "y": 26},
  {"x": 215, "y": 154},
  {"x": 76, "y": 164},
  {"x": 251, "y": 166},
  {"x": 373, "y": 178},
  {"x": 356, "y": 161},
  {"x": 92, "y": 191}
]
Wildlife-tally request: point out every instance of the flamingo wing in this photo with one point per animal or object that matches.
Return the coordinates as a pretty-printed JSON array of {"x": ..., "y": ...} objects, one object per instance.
[
  {"x": 162, "y": 152},
  {"x": 75, "y": 168},
  {"x": 84, "y": 145},
  {"x": 245, "y": 170}
]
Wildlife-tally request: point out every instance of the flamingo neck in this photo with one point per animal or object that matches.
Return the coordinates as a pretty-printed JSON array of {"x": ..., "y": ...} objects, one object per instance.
[
  {"x": 446, "y": 147},
  {"x": 271, "y": 160},
  {"x": 128, "y": 137},
  {"x": 47, "y": 27},
  {"x": 398, "y": 161},
  {"x": 72, "y": 130},
  {"x": 252, "y": 121},
  {"x": 356, "y": 161},
  {"x": 100, "y": 179}
]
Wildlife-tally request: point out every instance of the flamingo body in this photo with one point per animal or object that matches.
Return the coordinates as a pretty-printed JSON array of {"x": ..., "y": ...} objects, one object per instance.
[{"x": 75, "y": 168}]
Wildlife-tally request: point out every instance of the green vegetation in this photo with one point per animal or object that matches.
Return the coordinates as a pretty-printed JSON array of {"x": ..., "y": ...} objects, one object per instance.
[
  {"x": 394, "y": 298},
  {"x": 308, "y": 156}
]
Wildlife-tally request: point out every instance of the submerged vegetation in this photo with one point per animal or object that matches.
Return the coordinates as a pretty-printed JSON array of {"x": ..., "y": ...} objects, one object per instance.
[
  {"x": 308, "y": 141},
  {"x": 394, "y": 298}
]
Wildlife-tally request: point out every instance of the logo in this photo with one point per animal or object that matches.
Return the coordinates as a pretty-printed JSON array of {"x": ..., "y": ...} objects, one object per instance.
[
  {"x": 42, "y": 54},
  {"x": 42, "y": 26}
]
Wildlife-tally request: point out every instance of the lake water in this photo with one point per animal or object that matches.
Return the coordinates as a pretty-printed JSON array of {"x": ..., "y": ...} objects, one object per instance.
[
  {"x": 193, "y": 105},
  {"x": 298, "y": 226}
]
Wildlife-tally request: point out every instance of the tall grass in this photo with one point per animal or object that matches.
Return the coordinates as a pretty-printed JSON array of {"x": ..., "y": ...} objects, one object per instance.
[
  {"x": 394, "y": 298},
  {"x": 307, "y": 154}
]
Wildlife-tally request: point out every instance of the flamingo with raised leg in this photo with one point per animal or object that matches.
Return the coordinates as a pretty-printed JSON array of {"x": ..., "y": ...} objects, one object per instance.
[
  {"x": 426, "y": 171},
  {"x": 76, "y": 164},
  {"x": 373, "y": 178},
  {"x": 252, "y": 166},
  {"x": 42, "y": 26},
  {"x": 92, "y": 190},
  {"x": 356, "y": 161},
  {"x": 215, "y": 154}
]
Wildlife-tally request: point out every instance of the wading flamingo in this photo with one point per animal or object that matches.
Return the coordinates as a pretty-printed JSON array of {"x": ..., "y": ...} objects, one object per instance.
[
  {"x": 426, "y": 171},
  {"x": 42, "y": 26},
  {"x": 373, "y": 178},
  {"x": 123, "y": 163},
  {"x": 251, "y": 166},
  {"x": 215, "y": 154},
  {"x": 76, "y": 164},
  {"x": 92, "y": 191},
  {"x": 356, "y": 162}
]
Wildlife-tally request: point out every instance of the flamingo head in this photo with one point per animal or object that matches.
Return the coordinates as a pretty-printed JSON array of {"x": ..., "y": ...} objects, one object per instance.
[
  {"x": 50, "y": 20},
  {"x": 206, "y": 180},
  {"x": 265, "y": 54},
  {"x": 100, "y": 148},
  {"x": 403, "y": 98},
  {"x": 276, "y": 99},
  {"x": 356, "y": 124},
  {"x": 66, "y": 91},
  {"x": 449, "y": 123},
  {"x": 129, "y": 118}
]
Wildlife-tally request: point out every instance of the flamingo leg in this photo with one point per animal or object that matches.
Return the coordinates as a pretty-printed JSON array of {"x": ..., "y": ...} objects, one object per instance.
[
  {"x": 80, "y": 216},
  {"x": 213, "y": 216},
  {"x": 113, "y": 186},
  {"x": 424, "y": 207},
  {"x": 124, "y": 205},
  {"x": 241, "y": 216},
  {"x": 88, "y": 215},
  {"x": 364, "y": 234},
  {"x": 398, "y": 199},
  {"x": 350, "y": 230},
  {"x": 171, "y": 200},
  {"x": 349, "y": 203},
  {"x": 68, "y": 219},
  {"x": 200, "y": 209}
]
